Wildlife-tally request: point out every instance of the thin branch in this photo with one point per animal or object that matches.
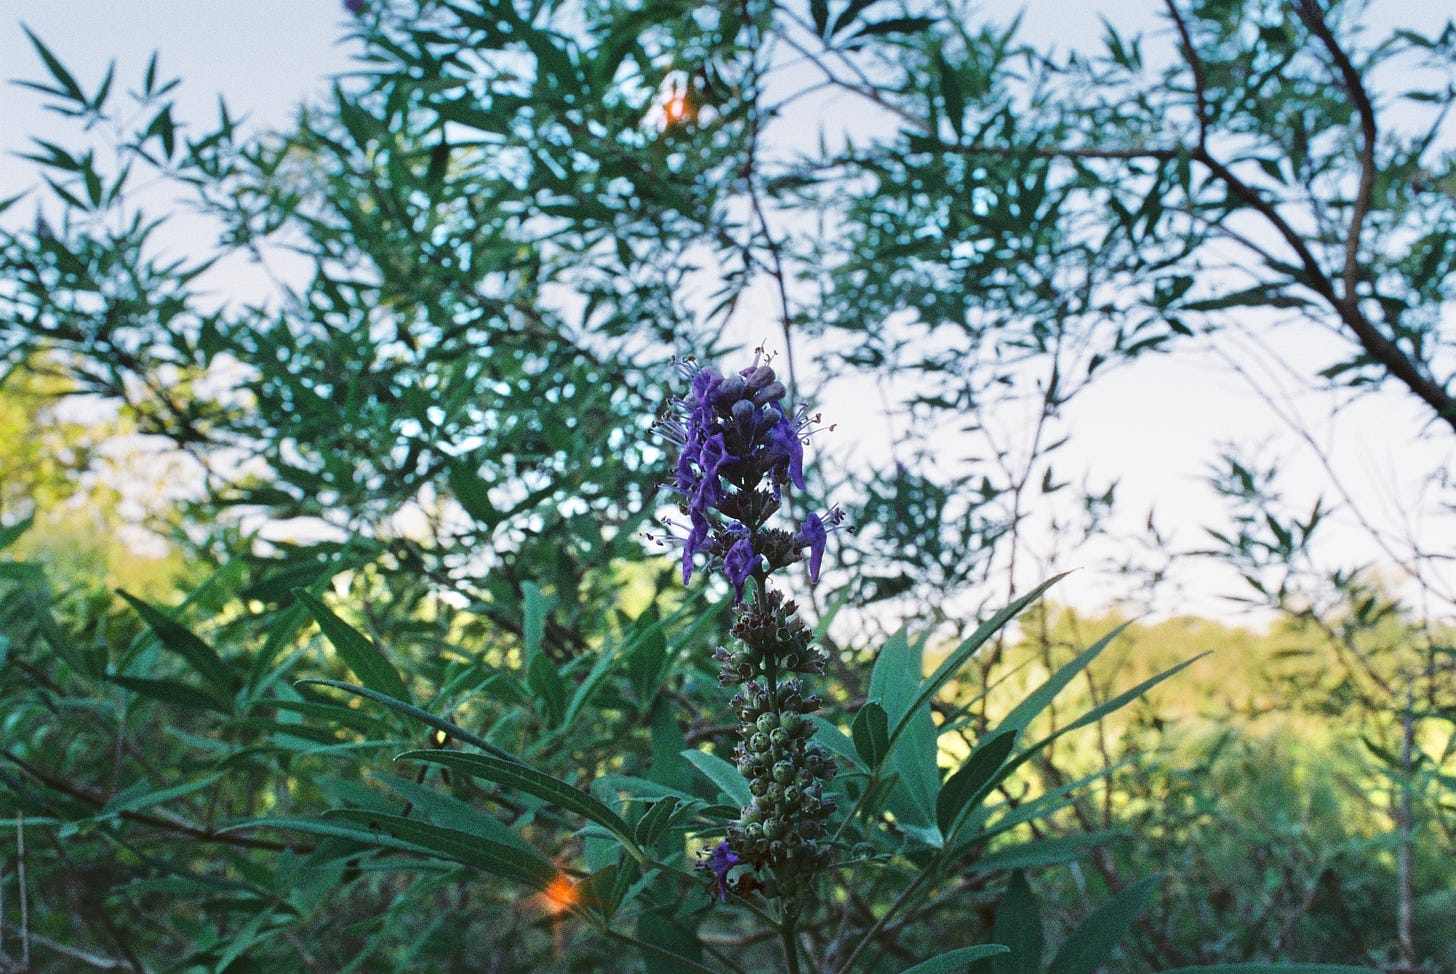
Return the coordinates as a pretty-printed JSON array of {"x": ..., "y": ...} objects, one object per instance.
[
  {"x": 1378, "y": 346},
  {"x": 1313, "y": 18},
  {"x": 98, "y": 961},
  {"x": 197, "y": 832}
]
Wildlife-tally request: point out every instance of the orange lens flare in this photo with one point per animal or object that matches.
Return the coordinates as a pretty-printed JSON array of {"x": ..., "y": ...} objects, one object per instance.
[
  {"x": 677, "y": 110},
  {"x": 559, "y": 896}
]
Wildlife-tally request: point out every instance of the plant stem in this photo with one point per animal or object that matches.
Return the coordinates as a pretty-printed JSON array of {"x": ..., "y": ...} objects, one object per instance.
[{"x": 791, "y": 944}]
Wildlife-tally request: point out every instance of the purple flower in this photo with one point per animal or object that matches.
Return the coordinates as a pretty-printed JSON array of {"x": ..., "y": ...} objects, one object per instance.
[
  {"x": 785, "y": 444},
  {"x": 739, "y": 564},
  {"x": 721, "y": 862},
  {"x": 813, "y": 534},
  {"x": 355, "y": 7}
]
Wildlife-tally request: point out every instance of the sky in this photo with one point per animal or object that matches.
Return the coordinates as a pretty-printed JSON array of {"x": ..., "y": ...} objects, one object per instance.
[{"x": 1156, "y": 428}]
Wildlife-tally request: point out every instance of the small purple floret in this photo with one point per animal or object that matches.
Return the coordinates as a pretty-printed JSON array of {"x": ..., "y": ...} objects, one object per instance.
[
  {"x": 813, "y": 534},
  {"x": 721, "y": 862},
  {"x": 738, "y": 565}
]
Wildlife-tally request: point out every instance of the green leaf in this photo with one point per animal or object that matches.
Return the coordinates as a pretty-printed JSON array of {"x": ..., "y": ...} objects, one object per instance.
[
  {"x": 511, "y": 861},
  {"x": 1109, "y": 706},
  {"x": 362, "y": 656},
  {"x": 955, "y": 960},
  {"x": 894, "y": 25},
  {"x": 963, "y": 653},
  {"x": 424, "y": 716},
  {"x": 68, "y": 87},
  {"x": 870, "y": 731},
  {"x": 1018, "y": 926},
  {"x": 523, "y": 777},
  {"x": 846, "y": 16},
  {"x": 607, "y": 658},
  {"x": 655, "y": 821},
  {"x": 1093, "y": 942},
  {"x": 180, "y": 640},
  {"x": 544, "y": 680},
  {"x": 473, "y": 494},
  {"x": 973, "y": 782},
  {"x": 721, "y": 773},
  {"x": 1040, "y": 698},
  {"x": 451, "y": 812},
  {"x": 8, "y": 536},
  {"x": 143, "y": 795},
  {"x": 895, "y": 683},
  {"x": 837, "y": 741},
  {"x": 1044, "y": 852},
  {"x": 173, "y": 692},
  {"x": 537, "y": 606},
  {"x": 387, "y": 831},
  {"x": 952, "y": 94}
]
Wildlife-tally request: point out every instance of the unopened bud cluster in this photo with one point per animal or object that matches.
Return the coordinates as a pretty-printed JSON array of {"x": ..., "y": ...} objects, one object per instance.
[{"x": 782, "y": 829}]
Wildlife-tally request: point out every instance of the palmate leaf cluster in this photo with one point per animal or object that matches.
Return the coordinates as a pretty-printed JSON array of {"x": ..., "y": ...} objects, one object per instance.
[{"x": 421, "y": 699}]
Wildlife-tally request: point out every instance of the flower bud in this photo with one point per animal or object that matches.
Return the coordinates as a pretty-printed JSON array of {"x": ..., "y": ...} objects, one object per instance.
[
  {"x": 730, "y": 391},
  {"x": 760, "y": 378},
  {"x": 772, "y": 392}
]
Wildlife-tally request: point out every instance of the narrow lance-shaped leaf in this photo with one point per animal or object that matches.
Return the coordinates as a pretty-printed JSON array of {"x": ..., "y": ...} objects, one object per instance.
[
  {"x": 722, "y": 774},
  {"x": 8, "y": 536},
  {"x": 955, "y": 960},
  {"x": 870, "y": 731},
  {"x": 532, "y": 781},
  {"x": 1092, "y": 943},
  {"x": 1018, "y": 926},
  {"x": 68, "y": 87},
  {"x": 423, "y": 716},
  {"x": 963, "y": 653},
  {"x": 182, "y": 641},
  {"x": 1109, "y": 706},
  {"x": 362, "y": 656},
  {"x": 510, "y": 861},
  {"x": 1040, "y": 698},
  {"x": 974, "y": 780}
]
